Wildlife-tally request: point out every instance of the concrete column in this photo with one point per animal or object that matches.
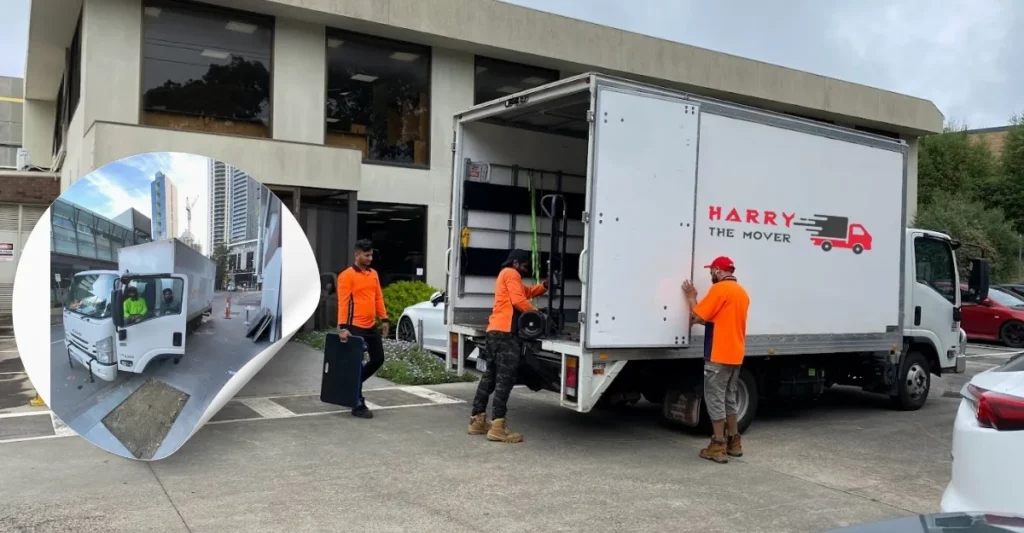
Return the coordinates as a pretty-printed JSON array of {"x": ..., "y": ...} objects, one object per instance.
[
  {"x": 111, "y": 61},
  {"x": 38, "y": 118},
  {"x": 913, "y": 144},
  {"x": 299, "y": 81}
]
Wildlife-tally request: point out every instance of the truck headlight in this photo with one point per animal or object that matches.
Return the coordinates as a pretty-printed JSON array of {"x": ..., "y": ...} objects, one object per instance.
[{"x": 105, "y": 351}]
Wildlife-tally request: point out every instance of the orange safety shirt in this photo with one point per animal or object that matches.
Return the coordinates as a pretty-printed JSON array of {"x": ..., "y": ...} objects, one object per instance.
[
  {"x": 724, "y": 311},
  {"x": 511, "y": 297},
  {"x": 361, "y": 288}
]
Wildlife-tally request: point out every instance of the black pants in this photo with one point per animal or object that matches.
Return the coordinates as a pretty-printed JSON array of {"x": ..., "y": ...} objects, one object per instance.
[
  {"x": 374, "y": 346},
  {"x": 502, "y": 351}
]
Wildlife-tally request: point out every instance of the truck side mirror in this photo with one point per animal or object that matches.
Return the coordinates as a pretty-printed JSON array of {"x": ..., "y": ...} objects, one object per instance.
[
  {"x": 117, "y": 307},
  {"x": 437, "y": 298},
  {"x": 978, "y": 284}
]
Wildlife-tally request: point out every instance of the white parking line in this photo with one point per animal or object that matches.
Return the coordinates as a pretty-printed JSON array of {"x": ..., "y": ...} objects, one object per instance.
[{"x": 264, "y": 406}]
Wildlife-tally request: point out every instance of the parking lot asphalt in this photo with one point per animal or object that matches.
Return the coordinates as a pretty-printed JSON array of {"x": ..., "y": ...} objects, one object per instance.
[{"x": 285, "y": 462}]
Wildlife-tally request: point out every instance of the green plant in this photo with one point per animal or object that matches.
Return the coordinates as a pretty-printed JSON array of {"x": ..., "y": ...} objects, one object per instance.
[{"x": 402, "y": 294}]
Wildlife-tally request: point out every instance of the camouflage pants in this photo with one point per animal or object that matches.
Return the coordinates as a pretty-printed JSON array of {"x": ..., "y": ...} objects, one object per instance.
[{"x": 502, "y": 355}]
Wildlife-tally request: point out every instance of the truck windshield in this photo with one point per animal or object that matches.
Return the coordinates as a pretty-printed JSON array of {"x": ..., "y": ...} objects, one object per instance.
[{"x": 89, "y": 295}]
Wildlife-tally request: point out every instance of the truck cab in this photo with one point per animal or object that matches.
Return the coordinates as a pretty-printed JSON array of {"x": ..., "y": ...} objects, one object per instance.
[
  {"x": 105, "y": 335},
  {"x": 932, "y": 300}
]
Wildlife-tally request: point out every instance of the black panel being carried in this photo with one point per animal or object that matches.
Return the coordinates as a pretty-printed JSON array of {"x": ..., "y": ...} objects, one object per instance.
[
  {"x": 487, "y": 262},
  {"x": 513, "y": 200}
]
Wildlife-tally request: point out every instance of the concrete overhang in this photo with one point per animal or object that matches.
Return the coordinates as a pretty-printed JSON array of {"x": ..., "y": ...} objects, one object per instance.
[
  {"x": 514, "y": 33},
  {"x": 51, "y": 26}
]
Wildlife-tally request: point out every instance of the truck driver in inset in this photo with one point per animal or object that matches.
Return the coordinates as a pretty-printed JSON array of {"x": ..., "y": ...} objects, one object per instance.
[
  {"x": 169, "y": 305},
  {"x": 135, "y": 308}
]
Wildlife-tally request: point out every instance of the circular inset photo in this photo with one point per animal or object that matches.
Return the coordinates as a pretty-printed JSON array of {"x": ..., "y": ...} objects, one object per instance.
[{"x": 167, "y": 272}]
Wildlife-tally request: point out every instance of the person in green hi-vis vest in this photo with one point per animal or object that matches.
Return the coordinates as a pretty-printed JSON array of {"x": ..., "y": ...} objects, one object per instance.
[{"x": 135, "y": 308}]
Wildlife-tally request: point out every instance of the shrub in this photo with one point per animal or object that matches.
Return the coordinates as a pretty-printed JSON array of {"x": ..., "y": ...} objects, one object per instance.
[
  {"x": 404, "y": 362},
  {"x": 402, "y": 294}
]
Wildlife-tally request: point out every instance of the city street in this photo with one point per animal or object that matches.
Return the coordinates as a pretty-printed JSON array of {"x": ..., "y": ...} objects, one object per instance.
[
  {"x": 847, "y": 460},
  {"x": 214, "y": 352}
]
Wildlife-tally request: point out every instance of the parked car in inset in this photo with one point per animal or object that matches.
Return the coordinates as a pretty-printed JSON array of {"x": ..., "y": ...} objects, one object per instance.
[
  {"x": 997, "y": 318},
  {"x": 988, "y": 440},
  {"x": 1016, "y": 289}
]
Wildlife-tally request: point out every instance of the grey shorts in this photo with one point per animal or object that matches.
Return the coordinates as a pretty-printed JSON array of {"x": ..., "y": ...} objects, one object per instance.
[{"x": 721, "y": 390}]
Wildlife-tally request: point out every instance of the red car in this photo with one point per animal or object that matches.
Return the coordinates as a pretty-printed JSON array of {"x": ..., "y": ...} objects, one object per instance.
[{"x": 1000, "y": 318}]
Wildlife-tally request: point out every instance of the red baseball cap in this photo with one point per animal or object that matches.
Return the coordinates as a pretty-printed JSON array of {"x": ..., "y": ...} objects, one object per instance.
[{"x": 723, "y": 263}]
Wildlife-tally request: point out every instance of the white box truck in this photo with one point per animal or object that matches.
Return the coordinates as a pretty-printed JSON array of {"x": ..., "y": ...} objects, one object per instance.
[
  {"x": 625, "y": 190},
  {"x": 107, "y": 331}
]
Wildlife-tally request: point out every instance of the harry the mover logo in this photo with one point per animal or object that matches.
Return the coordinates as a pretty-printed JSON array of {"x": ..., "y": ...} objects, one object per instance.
[{"x": 827, "y": 231}]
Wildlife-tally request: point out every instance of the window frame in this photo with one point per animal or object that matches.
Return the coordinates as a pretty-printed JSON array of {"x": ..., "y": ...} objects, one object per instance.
[
  {"x": 476, "y": 64},
  {"x": 69, "y": 93},
  {"x": 952, "y": 263},
  {"x": 194, "y": 6},
  {"x": 331, "y": 31}
]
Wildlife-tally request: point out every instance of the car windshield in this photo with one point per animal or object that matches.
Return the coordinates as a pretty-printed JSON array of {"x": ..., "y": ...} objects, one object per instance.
[
  {"x": 1005, "y": 298},
  {"x": 89, "y": 295}
]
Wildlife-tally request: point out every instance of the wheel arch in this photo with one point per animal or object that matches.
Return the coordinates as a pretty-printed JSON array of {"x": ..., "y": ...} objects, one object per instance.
[{"x": 926, "y": 347}]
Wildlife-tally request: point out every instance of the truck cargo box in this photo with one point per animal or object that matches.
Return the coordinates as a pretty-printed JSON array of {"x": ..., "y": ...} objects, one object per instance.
[{"x": 656, "y": 184}]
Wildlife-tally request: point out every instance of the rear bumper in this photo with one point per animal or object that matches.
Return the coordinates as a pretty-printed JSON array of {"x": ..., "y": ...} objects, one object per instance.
[{"x": 986, "y": 465}]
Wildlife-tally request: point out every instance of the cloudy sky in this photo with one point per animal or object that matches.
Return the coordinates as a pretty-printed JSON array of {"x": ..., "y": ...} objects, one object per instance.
[
  {"x": 114, "y": 187},
  {"x": 957, "y": 53}
]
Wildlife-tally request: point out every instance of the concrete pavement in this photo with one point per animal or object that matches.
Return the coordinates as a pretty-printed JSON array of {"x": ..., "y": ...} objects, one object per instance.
[{"x": 413, "y": 468}]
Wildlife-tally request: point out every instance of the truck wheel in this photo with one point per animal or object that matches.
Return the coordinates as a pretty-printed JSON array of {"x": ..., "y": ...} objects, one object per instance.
[
  {"x": 1012, "y": 334},
  {"x": 826, "y": 246},
  {"x": 857, "y": 249},
  {"x": 748, "y": 400},
  {"x": 70, "y": 363},
  {"x": 915, "y": 382}
]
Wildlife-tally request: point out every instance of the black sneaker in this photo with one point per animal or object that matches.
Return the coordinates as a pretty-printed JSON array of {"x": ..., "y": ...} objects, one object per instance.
[{"x": 362, "y": 412}]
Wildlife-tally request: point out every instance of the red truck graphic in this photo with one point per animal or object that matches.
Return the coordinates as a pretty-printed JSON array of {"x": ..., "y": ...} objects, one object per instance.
[{"x": 836, "y": 232}]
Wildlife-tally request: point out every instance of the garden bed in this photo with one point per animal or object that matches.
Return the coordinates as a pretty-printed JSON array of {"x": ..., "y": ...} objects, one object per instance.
[{"x": 404, "y": 362}]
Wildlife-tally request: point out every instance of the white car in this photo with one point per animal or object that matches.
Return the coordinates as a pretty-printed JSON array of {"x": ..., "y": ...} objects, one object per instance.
[
  {"x": 988, "y": 444},
  {"x": 431, "y": 313}
]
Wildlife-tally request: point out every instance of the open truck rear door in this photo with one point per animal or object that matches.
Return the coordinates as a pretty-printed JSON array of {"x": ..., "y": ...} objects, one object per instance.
[{"x": 641, "y": 198}]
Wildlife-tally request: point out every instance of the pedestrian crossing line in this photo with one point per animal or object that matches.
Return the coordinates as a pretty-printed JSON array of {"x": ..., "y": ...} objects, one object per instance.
[{"x": 264, "y": 406}]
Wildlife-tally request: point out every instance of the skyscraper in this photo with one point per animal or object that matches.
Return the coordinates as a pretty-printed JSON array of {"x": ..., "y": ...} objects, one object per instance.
[
  {"x": 164, "y": 197},
  {"x": 218, "y": 204},
  {"x": 234, "y": 202}
]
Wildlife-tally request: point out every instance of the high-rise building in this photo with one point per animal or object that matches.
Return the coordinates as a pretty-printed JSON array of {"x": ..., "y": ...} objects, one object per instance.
[
  {"x": 245, "y": 202},
  {"x": 233, "y": 205},
  {"x": 164, "y": 207},
  {"x": 218, "y": 203}
]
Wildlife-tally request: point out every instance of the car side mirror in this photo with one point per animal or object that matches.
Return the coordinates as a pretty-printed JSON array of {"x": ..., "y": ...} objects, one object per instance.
[
  {"x": 986, "y": 302},
  {"x": 437, "y": 298}
]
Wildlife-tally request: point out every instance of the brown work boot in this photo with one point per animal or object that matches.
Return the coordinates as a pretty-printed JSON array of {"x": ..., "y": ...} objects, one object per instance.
[
  {"x": 715, "y": 451},
  {"x": 498, "y": 433},
  {"x": 479, "y": 425},
  {"x": 735, "y": 445}
]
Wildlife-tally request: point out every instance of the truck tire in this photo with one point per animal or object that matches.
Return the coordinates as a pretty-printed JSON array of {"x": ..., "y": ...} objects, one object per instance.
[
  {"x": 749, "y": 396},
  {"x": 857, "y": 249},
  {"x": 826, "y": 246},
  {"x": 1012, "y": 334},
  {"x": 915, "y": 382}
]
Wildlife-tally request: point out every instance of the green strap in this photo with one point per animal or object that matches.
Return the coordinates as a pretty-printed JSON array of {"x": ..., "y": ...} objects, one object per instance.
[{"x": 533, "y": 227}]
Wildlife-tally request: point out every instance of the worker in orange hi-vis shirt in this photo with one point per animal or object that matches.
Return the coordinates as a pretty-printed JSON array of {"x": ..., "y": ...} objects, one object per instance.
[
  {"x": 723, "y": 311},
  {"x": 503, "y": 348},
  {"x": 360, "y": 304}
]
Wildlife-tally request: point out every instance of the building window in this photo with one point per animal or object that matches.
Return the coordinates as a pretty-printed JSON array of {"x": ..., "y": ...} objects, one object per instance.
[
  {"x": 399, "y": 235},
  {"x": 378, "y": 98},
  {"x": 70, "y": 87},
  {"x": 497, "y": 79},
  {"x": 206, "y": 68}
]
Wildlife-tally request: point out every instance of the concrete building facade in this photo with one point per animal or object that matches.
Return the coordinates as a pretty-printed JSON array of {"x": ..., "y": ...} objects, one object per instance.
[
  {"x": 10, "y": 120},
  {"x": 333, "y": 104}
]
